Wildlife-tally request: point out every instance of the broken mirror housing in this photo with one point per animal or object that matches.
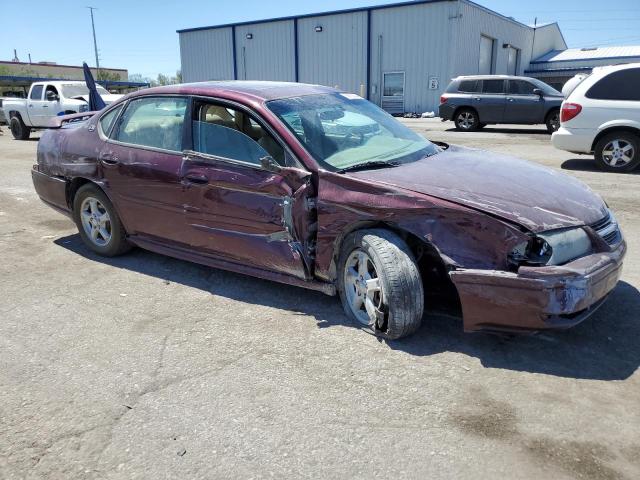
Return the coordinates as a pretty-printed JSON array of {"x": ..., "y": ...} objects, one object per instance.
[{"x": 552, "y": 248}]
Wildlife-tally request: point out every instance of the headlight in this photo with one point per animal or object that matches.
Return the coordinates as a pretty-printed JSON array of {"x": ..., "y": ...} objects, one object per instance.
[{"x": 552, "y": 248}]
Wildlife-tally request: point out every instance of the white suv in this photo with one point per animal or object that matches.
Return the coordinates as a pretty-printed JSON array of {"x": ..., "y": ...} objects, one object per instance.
[{"x": 602, "y": 116}]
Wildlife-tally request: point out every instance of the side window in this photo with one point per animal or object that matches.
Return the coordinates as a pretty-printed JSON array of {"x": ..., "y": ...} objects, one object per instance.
[
  {"x": 107, "y": 120},
  {"x": 468, "y": 86},
  {"x": 521, "y": 87},
  {"x": 153, "y": 122},
  {"x": 620, "y": 85},
  {"x": 493, "y": 86},
  {"x": 36, "y": 93},
  {"x": 228, "y": 133}
]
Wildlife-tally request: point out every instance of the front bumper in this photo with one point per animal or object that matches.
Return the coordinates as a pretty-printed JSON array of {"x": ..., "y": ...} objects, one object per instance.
[
  {"x": 537, "y": 298},
  {"x": 575, "y": 140}
]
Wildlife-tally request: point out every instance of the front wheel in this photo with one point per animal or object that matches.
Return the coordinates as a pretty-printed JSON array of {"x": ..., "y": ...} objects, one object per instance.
[
  {"x": 18, "y": 129},
  {"x": 618, "y": 152},
  {"x": 553, "y": 121},
  {"x": 98, "y": 223},
  {"x": 380, "y": 284}
]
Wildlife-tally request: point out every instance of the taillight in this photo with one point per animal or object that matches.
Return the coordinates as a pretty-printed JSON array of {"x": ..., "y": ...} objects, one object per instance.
[
  {"x": 569, "y": 111},
  {"x": 443, "y": 99}
]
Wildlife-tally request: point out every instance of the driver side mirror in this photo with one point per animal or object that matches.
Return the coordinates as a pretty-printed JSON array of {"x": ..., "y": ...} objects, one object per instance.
[
  {"x": 269, "y": 164},
  {"x": 538, "y": 92},
  {"x": 52, "y": 97}
]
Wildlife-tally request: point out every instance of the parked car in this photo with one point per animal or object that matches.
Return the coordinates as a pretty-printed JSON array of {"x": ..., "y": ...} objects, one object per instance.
[
  {"x": 602, "y": 116},
  {"x": 243, "y": 176},
  {"x": 45, "y": 101},
  {"x": 473, "y": 102}
]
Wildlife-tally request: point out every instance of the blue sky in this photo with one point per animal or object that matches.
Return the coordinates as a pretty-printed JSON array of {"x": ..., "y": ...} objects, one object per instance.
[{"x": 139, "y": 35}]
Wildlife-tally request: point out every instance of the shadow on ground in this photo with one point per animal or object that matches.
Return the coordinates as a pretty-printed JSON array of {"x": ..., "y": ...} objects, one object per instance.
[
  {"x": 604, "y": 347},
  {"x": 589, "y": 165},
  {"x": 511, "y": 131}
]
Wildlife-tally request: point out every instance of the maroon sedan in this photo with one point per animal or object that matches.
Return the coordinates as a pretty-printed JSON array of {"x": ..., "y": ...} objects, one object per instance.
[{"x": 311, "y": 187}]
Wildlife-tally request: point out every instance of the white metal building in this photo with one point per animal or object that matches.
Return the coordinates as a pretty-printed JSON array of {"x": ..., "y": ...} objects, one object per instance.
[{"x": 400, "y": 56}]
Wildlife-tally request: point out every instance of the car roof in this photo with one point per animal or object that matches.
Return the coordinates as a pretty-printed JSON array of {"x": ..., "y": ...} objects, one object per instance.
[
  {"x": 492, "y": 77},
  {"x": 613, "y": 68},
  {"x": 259, "y": 90}
]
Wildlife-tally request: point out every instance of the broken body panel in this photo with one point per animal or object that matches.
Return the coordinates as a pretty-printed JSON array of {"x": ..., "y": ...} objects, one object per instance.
[{"x": 470, "y": 208}]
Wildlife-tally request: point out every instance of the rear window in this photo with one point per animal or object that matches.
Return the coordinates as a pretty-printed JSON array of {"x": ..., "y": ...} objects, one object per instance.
[
  {"x": 521, "y": 87},
  {"x": 153, "y": 122},
  {"x": 620, "y": 85},
  {"x": 469, "y": 86},
  {"x": 493, "y": 86},
  {"x": 107, "y": 120}
]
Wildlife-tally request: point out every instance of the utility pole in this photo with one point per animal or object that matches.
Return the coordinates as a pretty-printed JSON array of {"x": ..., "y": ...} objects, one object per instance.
[{"x": 95, "y": 43}]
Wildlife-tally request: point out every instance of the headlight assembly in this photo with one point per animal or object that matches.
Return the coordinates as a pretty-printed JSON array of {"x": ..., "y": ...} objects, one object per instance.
[{"x": 552, "y": 248}]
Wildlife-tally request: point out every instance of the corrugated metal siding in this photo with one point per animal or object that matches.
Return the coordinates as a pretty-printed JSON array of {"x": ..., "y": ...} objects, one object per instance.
[
  {"x": 335, "y": 56},
  {"x": 412, "y": 39},
  {"x": 476, "y": 21},
  {"x": 206, "y": 55},
  {"x": 269, "y": 55},
  {"x": 547, "y": 38}
]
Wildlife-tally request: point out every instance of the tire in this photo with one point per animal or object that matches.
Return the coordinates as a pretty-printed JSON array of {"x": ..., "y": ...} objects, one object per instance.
[
  {"x": 466, "y": 120},
  {"x": 553, "y": 120},
  {"x": 18, "y": 129},
  {"x": 397, "y": 298},
  {"x": 618, "y": 152},
  {"x": 92, "y": 224}
]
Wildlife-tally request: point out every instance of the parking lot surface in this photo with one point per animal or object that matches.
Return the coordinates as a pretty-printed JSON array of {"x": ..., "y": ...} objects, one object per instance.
[{"x": 144, "y": 366}]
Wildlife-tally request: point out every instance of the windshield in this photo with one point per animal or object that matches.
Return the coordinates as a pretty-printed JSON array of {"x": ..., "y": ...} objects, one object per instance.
[
  {"x": 343, "y": 131},
  {"x": 547, "y": 89},
  {"x": 70, "y": 90}
]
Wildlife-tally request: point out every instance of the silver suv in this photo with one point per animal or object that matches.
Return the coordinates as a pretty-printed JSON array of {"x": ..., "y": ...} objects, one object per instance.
[{"x": 472, "y": 102}]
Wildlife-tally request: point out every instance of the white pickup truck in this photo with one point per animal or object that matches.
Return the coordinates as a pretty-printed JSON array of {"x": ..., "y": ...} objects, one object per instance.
[{"x": 47, "y": 100}]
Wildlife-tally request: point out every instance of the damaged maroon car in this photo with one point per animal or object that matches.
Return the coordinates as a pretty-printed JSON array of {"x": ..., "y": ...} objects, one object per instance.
[{"x": 315, "y": 188}]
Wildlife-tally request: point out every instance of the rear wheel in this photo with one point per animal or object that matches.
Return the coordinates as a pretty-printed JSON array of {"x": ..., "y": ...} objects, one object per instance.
[
  {"x": 553, "y": 121},
  {"x": 618, "y": 152},
  {"x": 380, "y": 284},
  {"x": 467, "y": 120},
  {"x": 98, "y": 223},
  {"x": 18, "y": 129}
]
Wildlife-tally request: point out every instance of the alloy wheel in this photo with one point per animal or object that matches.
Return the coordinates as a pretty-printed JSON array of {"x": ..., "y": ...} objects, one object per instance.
[
  {"x": 363, "y": 288},
  {"x": 96, "y": 221},
  {"x": 618, "y": 153},
  {"x": 466, "y": 120}
]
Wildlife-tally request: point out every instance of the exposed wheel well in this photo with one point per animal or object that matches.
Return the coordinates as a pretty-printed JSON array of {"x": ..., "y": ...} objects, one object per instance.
[
  {"x": 550, "y": 111},
  {"x": 609, "y": 130},
  {"x": 434, "y": 271},
  {"x": 14, "y": 113},
  {"x": 465, "y": 107},
  {"x": 72, "y": 188}
]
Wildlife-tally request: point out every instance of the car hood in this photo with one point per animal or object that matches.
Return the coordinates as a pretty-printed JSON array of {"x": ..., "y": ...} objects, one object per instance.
[{"x": 535, "y": 197}]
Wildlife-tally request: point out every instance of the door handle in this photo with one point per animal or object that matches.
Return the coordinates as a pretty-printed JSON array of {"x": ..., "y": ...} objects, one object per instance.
[
  {"x": 45, "y": 106},
  {"x": 477, "y": 98},
  {"x": 109, "y": 159},
  {"x": 195, "y": 178},
  {"x": 510, "y": 99},
  {"x": 31, "y": 105}
]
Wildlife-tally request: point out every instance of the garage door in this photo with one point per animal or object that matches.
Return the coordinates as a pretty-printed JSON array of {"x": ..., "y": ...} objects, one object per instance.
[{"x": 485, "y": 66}]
